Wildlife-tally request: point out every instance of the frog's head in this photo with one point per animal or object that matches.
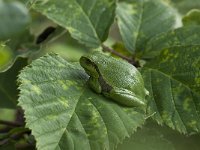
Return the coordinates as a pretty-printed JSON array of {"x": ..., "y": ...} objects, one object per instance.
[{"x": 89, "y": 66}]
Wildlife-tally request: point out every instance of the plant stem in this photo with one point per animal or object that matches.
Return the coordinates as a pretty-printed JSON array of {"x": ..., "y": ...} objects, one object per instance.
[
  {"x": 131, "y": 61},
  {"x": 9, "y": 123},
  {"x": 5, "y": 130},
  {"x": 15, "y": 136},
  {"x": 108, "y": 49},
  {"x": 25, "y": 146}
]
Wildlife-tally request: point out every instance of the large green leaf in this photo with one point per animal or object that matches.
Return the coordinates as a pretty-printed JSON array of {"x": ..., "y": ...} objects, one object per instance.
[
  {"x": 87, "y": 20},
  {"x": 63, "y": 113},
  {"x": 185, "y": 36},
  {"x": 14, "y": 19},
  {"x": 140, "y": 20},
  {"x": 8, "y": 84},
  {"x": 192, "y": 17},
  {"x": 173, "y": 79}
]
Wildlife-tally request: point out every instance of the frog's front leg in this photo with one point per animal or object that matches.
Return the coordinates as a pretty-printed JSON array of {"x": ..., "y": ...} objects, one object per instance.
[
  {"x": 125, "y": 97},
  {"x": 94, "y": 84}
]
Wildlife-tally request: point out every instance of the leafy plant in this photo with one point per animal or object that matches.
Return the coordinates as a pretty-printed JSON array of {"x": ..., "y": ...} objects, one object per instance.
[{"x": 62, "y": 111}]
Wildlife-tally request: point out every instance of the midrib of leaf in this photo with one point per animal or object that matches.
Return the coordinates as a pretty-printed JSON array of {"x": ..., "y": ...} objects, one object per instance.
[
  {"x": 140, "y": 23},
  {"x": 153, "y": 93},
  {"x": 171, "y": 78},
  {"x": 106, "y": 125},
  {"x": 87, "y": 16},
  {"x": 158, "y": 13},
  {"x": 78, "y": 116},
  {"x": 84, "y": 129},
  {"x": 44, "y": 146},
  {"x": 102, "y": 117},
  {"x": 165, "y": 74},
  {"x": 103, "y": 121},
  {"x": 175, "y": 107}
]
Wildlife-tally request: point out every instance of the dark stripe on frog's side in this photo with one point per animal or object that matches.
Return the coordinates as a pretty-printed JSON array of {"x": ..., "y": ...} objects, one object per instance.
[{"x": 104, "y": 86}]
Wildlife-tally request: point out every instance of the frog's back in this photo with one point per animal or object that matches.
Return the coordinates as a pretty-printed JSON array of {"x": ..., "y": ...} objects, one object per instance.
[{"x": 117, "y": 72}]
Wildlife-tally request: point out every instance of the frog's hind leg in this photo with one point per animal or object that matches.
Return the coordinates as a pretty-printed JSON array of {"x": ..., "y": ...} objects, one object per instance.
[
  {"x": 125, "y": 97},
  {"x": 94, "y": 84}
]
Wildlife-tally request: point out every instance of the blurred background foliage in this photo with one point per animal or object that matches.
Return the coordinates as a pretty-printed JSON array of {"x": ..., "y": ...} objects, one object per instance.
[{"x": 20, "y": 40}]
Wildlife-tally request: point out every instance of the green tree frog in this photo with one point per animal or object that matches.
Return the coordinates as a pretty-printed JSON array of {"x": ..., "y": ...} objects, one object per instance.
[{"x": 114, "y": 78}]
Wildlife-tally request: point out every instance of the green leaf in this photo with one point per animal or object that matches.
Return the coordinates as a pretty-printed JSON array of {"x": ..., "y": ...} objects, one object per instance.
[
  {"x": 8, "y": 85},
  {"x": 140, "y": 20},
  {"x": 192, "y": 18},
  {"x": 185, "y": 36},
  {"x": 63, "y": 113},
  {"x": 87, "y": 20},
  {"x": 14, "y": 19},
  {"x": 173, "y": 80},
  {"x": 147, "y": 138}
]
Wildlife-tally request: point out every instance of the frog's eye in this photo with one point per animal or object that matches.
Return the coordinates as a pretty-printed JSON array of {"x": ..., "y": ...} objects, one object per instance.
[{"x": 88, "y": 62}]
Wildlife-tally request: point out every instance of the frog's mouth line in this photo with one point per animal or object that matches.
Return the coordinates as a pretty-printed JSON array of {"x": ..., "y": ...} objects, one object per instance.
[
  {"x": 89, "y": 67},
  {"x": 105, "y": 86}
]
